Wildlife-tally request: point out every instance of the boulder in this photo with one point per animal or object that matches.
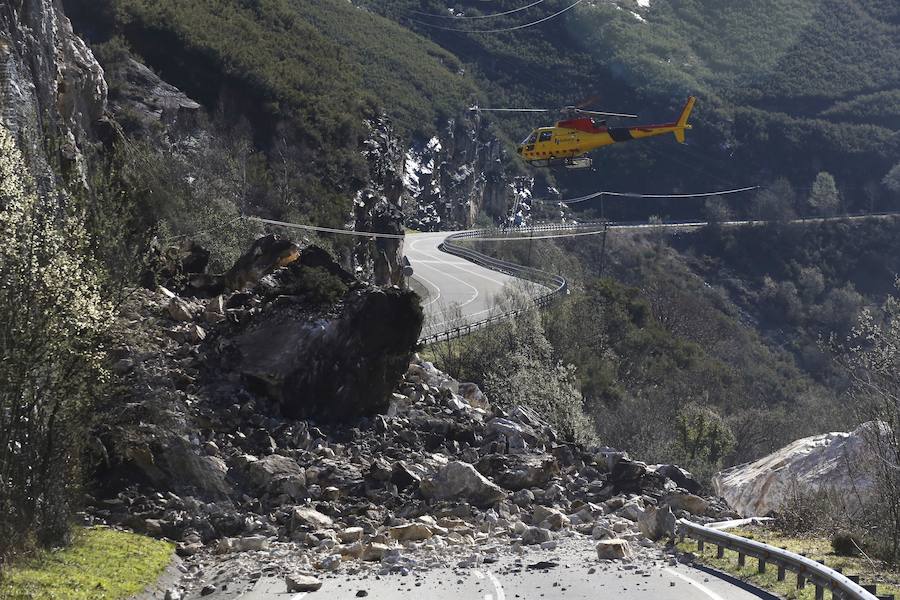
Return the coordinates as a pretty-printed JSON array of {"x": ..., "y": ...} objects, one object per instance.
[
  {"x": 337, "y": 369},
  {"x": 631, "y": 510},
  {"x": 626, "y": 475},
  {"x": 830, "y": 461},
  {"x": 511, "y": 429},
  {"x": 403, "y": 476},
  {"x": 657, "y": 523},
  {"x": 412, "y": 532},
  {"x": 518, "y": 472},
  {"x": 265, "y": 472},
  {"x": 459, "y": 480},
  {"x": 689, "y": 502},
  {"x": 302, "y": 583},
  {"x": 536, "y": 535},
  {"x": 303, "y": 516},
  {"x": 350, "y": 534},
  {"x": 550, "y": 518},
  {"x": 679, "y": 477},
  {"x": 613, "y": 549}
]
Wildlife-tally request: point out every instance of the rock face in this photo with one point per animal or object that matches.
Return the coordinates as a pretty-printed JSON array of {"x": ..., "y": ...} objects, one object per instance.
[
  {"x": 828, "y": 461},
  {"x": 378, "y": 207},
  {"x": 148, "y": 100},
  {"x": 460, "y": 172},
  {"x": 50, "y": 83}
]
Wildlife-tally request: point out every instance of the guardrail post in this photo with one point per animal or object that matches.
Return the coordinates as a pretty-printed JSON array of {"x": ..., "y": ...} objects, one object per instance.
[
  {"x": 781, "y": 573},
  {"x": 761, "y": 567},
  {"x": 801, "y": 581},
  {"x": 870, "y": 587},
  {"x": 742, "y": 559},
  {"x": 720, "y": 551},
  {"x": 699, "y": 545},
  {"x": 820, "y": 592}
]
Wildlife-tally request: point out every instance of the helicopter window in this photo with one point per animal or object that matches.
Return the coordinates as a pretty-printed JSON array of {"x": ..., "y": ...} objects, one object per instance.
[
  {"x": 531, "y": 139},
  {"x": 545, "y": 136}
]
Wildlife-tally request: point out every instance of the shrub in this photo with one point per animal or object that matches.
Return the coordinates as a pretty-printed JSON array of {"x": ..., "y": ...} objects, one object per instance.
[
  {"x": 51, "y": 314},
  {"x": 320, "y": 287},
  {"x": 845, "y": 543}
]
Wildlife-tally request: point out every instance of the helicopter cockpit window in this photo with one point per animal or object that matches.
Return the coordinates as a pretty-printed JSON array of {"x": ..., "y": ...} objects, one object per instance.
[
  {"x": 546, "y": 135},
  {"x": 531, "y": 139}
]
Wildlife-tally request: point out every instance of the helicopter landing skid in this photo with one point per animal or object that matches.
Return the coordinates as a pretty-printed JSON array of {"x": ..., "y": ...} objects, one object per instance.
[{"x": 581, "y": 162}]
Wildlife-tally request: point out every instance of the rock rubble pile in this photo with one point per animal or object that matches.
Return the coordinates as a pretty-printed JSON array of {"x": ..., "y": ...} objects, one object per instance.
[{"x": 299, "y": 454}]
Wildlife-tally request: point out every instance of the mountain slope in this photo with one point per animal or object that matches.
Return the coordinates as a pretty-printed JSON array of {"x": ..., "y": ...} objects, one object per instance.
[{"x": 786, "y": 88}]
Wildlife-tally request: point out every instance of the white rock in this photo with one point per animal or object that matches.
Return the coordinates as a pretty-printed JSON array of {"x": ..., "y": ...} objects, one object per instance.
[
  {"x": 414, "y": 532},
  {"x": 613, "y": 549},
  {"x": 818, "y": 462},
  {"x": 302, "y": 583},
  {"x": 350, "y": 534},
  {"x": 310, "y": 517}
]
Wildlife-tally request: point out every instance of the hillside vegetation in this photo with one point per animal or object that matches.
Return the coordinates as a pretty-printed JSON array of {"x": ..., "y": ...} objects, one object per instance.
[
  {"x": 303, "y": 75},
  {"x": 786, "y": 88}
]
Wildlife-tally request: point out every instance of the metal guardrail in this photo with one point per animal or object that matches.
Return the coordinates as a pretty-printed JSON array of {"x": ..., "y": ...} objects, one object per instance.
[
  {"x": 556, "y": 284},
  {"x": 806, "y": 569}
]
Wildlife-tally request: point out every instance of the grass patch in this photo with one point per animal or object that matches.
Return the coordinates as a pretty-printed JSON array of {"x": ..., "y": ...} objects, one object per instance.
[
  {"x": 101, "y": 564},
  {"x": 816, "y": 548}
]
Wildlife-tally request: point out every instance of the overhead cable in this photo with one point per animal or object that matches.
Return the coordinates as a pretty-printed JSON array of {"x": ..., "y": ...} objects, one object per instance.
[
  {"x": 489, "y": 16},
  {"x": 369, "y": 234},
  {"x": 503, "y": 29},
  {"x": 634, "y": 195}
]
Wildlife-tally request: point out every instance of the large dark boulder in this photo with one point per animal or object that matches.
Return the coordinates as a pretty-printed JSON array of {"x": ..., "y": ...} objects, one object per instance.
[{"x": 335, "y": 368}]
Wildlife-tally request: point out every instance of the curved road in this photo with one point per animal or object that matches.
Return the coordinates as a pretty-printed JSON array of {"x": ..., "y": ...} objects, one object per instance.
[
  {"x": 450, "y": 281},
  {"x": 569, "y": 572}
]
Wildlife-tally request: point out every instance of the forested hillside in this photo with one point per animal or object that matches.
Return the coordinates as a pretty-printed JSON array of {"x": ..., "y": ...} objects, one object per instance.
[
  {"x": 787, "y": 89},
  {"x": 304, "y": 75}
]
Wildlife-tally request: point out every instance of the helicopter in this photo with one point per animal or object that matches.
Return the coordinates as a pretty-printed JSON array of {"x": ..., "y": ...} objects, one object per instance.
[{"x": 568, "y": 142}]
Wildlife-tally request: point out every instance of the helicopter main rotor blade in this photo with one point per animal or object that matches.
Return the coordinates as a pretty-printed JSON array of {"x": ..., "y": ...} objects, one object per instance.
[
  {"x": 604, "y": 114},
  {"x": 477, "y": 109}
]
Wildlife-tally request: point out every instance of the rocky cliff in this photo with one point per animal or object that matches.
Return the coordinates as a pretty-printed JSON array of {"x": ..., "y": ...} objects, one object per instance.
[
  {"x": 52, "y": 89},
  {"x": 460, "y": 173}
]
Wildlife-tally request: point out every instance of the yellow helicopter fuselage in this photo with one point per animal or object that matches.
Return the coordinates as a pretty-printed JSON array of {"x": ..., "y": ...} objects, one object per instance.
[{"x": 574, "y": 138}]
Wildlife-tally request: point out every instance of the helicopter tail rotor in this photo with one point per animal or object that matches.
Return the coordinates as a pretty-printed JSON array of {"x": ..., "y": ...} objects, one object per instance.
[{"x": 682, "y": 124}]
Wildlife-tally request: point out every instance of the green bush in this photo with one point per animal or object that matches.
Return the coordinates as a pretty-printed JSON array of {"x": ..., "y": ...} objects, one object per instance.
[
  {"x": 319, "y": 287},
  {"x": 50, "y": 358}
]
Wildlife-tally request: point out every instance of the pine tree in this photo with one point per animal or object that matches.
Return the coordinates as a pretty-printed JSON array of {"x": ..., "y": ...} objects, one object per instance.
[{"x": 824, "y": 198}]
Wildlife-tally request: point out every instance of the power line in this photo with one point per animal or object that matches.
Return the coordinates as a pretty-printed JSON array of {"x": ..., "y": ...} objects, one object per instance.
[
  {"x": 500, "y": 14},
  {"x": 370, "y": 234},
  {"x": 504, "y": 29},
  {"x": 635, "y": 195}
]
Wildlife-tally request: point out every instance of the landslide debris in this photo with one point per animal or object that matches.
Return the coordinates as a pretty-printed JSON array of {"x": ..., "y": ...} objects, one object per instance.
[{"x": 295, "y": 439}]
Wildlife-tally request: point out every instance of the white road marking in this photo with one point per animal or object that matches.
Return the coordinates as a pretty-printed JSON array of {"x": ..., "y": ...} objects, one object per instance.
[
  {"x": 457, "y": 279},
  {"x": 711, "y": 594}
]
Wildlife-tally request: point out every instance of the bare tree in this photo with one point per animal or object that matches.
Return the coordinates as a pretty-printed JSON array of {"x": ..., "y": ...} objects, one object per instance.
[{"x": 874, "y": 359}]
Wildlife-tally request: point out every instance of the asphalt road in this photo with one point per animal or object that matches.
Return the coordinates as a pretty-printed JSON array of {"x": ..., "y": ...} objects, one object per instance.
[
  {"x": 571, "y": 572},
  {"x": 452, "y": 282}
]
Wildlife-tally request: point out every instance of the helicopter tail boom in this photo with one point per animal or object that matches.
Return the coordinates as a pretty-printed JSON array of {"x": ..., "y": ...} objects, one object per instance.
[{"x": 682, "y": 124}]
